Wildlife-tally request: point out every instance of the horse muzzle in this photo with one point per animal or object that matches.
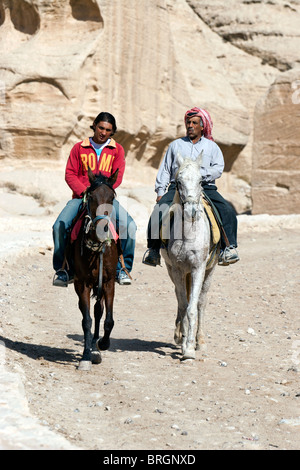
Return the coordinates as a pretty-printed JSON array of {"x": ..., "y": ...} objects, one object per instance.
[{"x": 190, "y": 211}]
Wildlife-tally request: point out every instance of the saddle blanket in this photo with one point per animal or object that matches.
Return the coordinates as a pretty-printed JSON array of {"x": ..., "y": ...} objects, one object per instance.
[{"x": 215, "y": 231}]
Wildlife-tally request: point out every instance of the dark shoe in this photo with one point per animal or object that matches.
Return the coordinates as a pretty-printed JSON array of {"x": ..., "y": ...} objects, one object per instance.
[
  {"x": 62, "y": 278},
  {"x": 228, "y": 256},
  {"x": 151, "y": 257}
]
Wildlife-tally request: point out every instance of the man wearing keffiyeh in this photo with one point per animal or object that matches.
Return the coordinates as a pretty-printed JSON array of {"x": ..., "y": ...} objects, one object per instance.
[{"x": 198, "y": 138}]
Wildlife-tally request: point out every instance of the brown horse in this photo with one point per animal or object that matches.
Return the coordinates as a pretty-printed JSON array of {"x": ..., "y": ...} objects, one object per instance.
[{"x": 95, "y": 255}]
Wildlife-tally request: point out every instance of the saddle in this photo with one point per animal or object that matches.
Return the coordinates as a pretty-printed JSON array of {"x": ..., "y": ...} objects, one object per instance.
[{"x": 214, "y": 222}]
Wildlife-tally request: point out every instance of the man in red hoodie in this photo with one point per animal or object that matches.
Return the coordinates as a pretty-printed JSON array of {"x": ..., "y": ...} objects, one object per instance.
[{"x": 103, "y": 155}]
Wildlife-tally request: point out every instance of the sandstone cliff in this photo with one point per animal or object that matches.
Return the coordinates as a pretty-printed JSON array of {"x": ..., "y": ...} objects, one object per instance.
[{"x": 147, "y": 62}]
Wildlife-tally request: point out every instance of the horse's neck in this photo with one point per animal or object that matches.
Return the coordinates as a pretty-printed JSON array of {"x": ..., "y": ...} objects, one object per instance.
[{"x": 191, "y": 230}]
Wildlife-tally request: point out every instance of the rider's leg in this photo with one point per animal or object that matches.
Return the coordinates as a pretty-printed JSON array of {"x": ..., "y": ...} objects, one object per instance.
[
  {"x": 229, "y": 222},
  {"x": 152, "y": 255},
  {"x": 127, "y": 232},
  {"x": 60, "y": 231}
]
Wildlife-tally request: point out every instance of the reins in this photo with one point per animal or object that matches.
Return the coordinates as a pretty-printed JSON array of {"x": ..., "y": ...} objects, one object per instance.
[
  {"x": 98, "y": 246},
  {"x": 189, "y": 199},
  {"x": 199, "y": 203}
]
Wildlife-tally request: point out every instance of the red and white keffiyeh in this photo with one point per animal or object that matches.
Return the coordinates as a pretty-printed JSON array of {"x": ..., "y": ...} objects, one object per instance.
[{"x": 206, "y": 119}]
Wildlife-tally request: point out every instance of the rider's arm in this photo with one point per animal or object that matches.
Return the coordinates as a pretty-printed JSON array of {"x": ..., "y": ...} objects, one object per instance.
[
  {"x": 74, "y": 174},
  {"x": 119, "y": 163},
  {"x": 213, "y": 163},
  {"x": 163, "y": 177}
]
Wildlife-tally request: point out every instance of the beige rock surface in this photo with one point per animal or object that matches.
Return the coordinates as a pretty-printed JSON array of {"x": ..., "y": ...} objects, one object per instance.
[
  {"x": 146, "y": 62},
  {"x": 276, "y": 149},
  {"x": 262, "y": 28}
]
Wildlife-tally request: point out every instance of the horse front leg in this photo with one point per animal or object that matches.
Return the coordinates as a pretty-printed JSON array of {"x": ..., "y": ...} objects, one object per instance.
[
  {"x": 197, "y": 277},
  {"x": 177, "y": 278},
  {"x": 109, "y": 293},
  {"x": 83, "y": 293},
  {"x": 179, "y": 333},
  {"x": 98, "y": 312},
  {"x": 200, "y": 336}
]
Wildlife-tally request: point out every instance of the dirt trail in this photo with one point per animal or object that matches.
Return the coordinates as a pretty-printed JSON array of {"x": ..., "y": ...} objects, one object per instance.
[{"x": 244, "y": 394}]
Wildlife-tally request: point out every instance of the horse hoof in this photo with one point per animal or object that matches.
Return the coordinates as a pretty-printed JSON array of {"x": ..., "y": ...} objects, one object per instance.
[
  {"x": 85, "y": 365},
  {"x": 188, "y": 354},
  {"x": 96, "y": 357},
  {"x": 103, "y": 345},
  {"x": 187, "y": 360}
]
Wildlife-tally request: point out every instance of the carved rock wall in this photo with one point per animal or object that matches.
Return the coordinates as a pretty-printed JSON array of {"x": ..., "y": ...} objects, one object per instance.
[
  {"x": 146, "y": 62},
  {"x": 276, "y": 149}
]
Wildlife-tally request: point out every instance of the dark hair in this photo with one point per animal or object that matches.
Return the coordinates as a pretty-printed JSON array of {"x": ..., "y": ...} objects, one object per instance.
[{"x": 106, "y": 117}]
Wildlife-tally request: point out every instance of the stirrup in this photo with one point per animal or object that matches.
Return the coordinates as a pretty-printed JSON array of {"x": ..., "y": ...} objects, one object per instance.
[{"x": 144, "y": 260}]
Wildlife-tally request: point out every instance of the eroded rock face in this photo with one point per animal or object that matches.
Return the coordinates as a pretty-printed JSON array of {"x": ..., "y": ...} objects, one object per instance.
[
  {"x": 262, "y": 28},
  {"x": 43, "y": 73},
  {"x": 276, "y": 149},
  {"x": 147, "y": 63}
]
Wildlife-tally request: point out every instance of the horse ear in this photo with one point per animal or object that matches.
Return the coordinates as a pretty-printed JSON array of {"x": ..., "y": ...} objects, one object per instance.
[
  {"x": 179, "y": 159},
  {"x": 91, "y": 175},
  {"x": 113, "y": 177}
]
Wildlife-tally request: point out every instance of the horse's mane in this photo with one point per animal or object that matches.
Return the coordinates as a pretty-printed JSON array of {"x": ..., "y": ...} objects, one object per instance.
[{"x": 187, "y": 162}]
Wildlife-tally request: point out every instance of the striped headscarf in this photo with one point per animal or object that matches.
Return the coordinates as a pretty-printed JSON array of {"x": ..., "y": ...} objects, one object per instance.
[{"x": 206, "y": 119}]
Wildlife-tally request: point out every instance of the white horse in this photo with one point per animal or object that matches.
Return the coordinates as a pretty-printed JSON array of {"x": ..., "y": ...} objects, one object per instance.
[{"x": 187, "y": 255}]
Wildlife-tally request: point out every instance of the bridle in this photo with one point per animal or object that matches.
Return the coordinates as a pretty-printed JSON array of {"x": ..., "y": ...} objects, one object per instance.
[
  {"x": 98, "y": 247},
  {"x": 91, "y": 223},
  {"x": 189, "y": 200}
]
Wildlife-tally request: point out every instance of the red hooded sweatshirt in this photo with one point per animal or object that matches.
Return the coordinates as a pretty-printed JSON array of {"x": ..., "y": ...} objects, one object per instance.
[{"x": 83, "y": 155}]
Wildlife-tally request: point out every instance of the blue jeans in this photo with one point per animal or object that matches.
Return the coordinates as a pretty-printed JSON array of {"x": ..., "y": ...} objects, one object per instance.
[{"x": 123, "y": 221}]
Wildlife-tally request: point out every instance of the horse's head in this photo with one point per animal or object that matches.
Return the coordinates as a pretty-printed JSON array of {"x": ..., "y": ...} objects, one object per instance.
[
  {"x": 100, "y": 196},
  {"x": 188, "y": 184}
]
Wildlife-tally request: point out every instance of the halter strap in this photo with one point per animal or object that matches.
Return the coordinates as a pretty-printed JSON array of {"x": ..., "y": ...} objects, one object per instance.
[{"x": 100, "y": 217}]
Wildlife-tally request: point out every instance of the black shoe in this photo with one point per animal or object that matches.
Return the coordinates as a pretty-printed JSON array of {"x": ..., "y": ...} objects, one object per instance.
[
  {"x": 151, "y": 257},
  {"x": 62, "y": 278}
]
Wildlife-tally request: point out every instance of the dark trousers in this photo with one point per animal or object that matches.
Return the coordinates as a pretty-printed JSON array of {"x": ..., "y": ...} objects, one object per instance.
[{"x": 224, "y": 208}]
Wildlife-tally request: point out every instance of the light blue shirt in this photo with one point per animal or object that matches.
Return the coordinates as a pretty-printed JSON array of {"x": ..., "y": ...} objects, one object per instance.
[
  {"x": 99, "y": 147},
  {"x": 212, "y": 161}
]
